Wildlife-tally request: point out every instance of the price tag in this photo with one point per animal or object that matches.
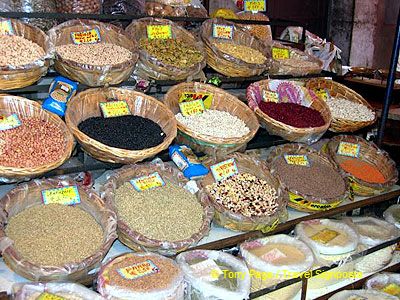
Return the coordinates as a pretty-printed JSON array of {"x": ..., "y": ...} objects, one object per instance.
[
  {"x": 91, "y": 36},
  {"x": 299, "y": 160},
  {"x": 190, "y": 96},
  {"x": 115, "y": 108},
  {"x": 9, "y": 122},
  {"x": 223, "y": 31},
  {"x": 207, "y": 270},
  {"x": 269, "y": 96},
  {"x": 348, "y": 149},
  {"x": 195, "y": 107},
  {"x": 147, "y": 182},
  {"x": 159, "y": 32},
  {"x": 322, "y": 94},
  {"x": 68, "y": 195},
  {"x": 224, "y": 169},
  {"x": 48, "y": 296},
  {"x": 6, "y": 28},
  {"x": 324, "y": 236},
  {"x": 139, "y": 270},
  {"x": 255, "y": 5},
  {"x": 280, "y": 53},
  {"x": 392, "y": 289}
]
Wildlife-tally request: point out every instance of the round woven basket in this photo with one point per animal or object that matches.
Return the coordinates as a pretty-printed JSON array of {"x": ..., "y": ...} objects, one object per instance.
[
  {"x": 300, "y": 201},
  {"x": 153, "y": 67},
  {"x": 371, "y": 154},
  {"x": 92, "y": 75},
  {"x": 263, "y": 32},
  {"x": 28, "y": 195},
  {"x": 226, "y": 64},
  {"x": 238, "y": 222},
  {"x": 86, "y": 105},
  {"x": 217, "y": 147},
  {"x": 341, "y": 91},
  {"x": 12, "y": 77},
  {"x": 27, "y": 108},
  {"x": 136, "y": 240},
  {"x": 254, "y": 95}
]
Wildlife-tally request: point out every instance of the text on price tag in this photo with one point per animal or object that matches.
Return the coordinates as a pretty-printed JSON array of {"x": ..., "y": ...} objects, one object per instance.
[
  {"x": 392, "y": 289},
  {"x": 298, "y": 160},
  {"x": 348, "y": 149},
  {"x": 48, "y": 296},
  {"x": 86, "y": 37},
  {"x": 9, "y": 122},
  {"x": 280, "y": 53},
  {"x": 255, "y": 5},
  {"x": 190, "y": 96},
  {"x": 6, "y": 27},
  {"x": 68, "y": 195},
  {"x": 115, "y": 108},
  {"x": 195, "y": 107},
  {"x": 139, "y": 270},
  {"x": 159, "y": 32},
  {"x": 223, "y": 31},
  {"x": 224, "y": 169},
  {"x": 270, "y": 96},
  {"x": 322, "y": 94},
  {"x": 147, "y": 182}
]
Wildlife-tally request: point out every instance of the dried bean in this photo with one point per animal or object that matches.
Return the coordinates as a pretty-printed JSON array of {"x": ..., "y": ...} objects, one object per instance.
[
  {"x": 348, "y": 110},
  {"x": 245, "y": 53},
  {"x": 18, "y": 51}
]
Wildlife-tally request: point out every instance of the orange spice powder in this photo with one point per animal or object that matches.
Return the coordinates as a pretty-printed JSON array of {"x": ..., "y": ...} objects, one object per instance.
[{"x": 363, "y": 170}]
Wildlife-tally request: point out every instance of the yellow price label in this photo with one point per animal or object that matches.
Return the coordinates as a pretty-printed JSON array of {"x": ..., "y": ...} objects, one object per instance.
[
  {"x": 255, "y": 5},
  {"x": 324, "y": 236},
  {"x": 224, "y": 169},
  {"x": 49, "y": 296},
  {"x": 195, "y": 107},
  {"x": 9, "y": 122},
  {"x": 68, "y": 195},
  {"x": 280, "y": 53},
  {"x": 392, "y": 289},
  {"x": 115, "y": 108},
  {"x": 349, "y": 149},
  {"x": 147, "y": 182},
  {"x": 322, "y": 94},
  {"x": 223, "y": 31},
  {"x": 138, "y": 270},
  {"x": 270, "y": 96},
  {"x": 207, "y": 98},
  {"x": 159, "y": 32},
  {"x": 91, "y": 36},
  {"x": 298, "y": 160},
  {"x": 6, "y": 27}
]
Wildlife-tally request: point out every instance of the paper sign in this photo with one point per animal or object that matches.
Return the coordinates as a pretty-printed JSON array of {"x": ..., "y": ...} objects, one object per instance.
[
  {"x": 298, "y": 160},
  {"x": 223, "y": 31},
  {"x": 348, "y": 149},
  {"x": 224, "y": 169},
  {"x": 139, "y": 270},
  {"x": 159, "y": 32},
  {"x": 280, "y": 53},
  {"x": 192, "y": 108},
  {"x": 147, "y": 182},
  {"x": 273, "y": 255},
  {"x": 190, "y": 96},
  {"x": 324, "y": 236},
  {"x": 86, "y": 37},
  {"x": 68, "y": 195},
  {"x": 255, "y": 5},
  {"x": 9, "y": 122},
  {"x": 207, "y": 270},
  {"x": 322, "y": 94},
  {"x": 270, "y": 96},
  {"x": 392, "y": 289},
  {"x": 6, "y": 27},
  {"x": 48, "y": 296},
  {"x": 115, "y": 108}
]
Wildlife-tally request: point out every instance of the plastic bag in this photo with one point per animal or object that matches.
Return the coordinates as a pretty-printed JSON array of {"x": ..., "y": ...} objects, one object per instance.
[
  {"x": 263, "y": 32},
  {"x": 392, "y": 215},
  {"x": 6, "y": 6},
  {"x": 384, "y": 282},
  {"x": 362, "y": 294},
  {"x": 161, "y": 8},
  {"x": 28, "y": 6},
  {"x": 123, "y": 7},
  {"x": 79, "y": 6}
]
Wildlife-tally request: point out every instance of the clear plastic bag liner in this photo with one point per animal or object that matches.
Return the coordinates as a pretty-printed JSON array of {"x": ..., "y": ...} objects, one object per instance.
[
  {"x": 130, "y": 7},
  {"x": 31, "y": 291},
  {"x": 79, "y": 6},
  {"x": 362, "y": 294},
  {"x": 6, "y": 6},
  {"x": 161, "y": 8},
  {"x": 29, "y": 6},
  {"x": 201, "y": 289},
  {"x": 29, "y": 194},
  {"x": 392, "y": 215},
  {"x": 381, "y": 280},
  {"x": 263, "y": 32}
]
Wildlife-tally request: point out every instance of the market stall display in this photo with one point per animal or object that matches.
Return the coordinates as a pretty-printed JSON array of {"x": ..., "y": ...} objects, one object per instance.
[
  {"x": 92, "y": 52},
  {"x": 287, "y": 109},
  {"x": 26, "y": 54},
  {"x": 79, "y": 6},
  {"x": 167, "y": 51},
  {"x": 208, "y": 275},
  {"x": 370, "y": 170},
  {"x": 165, "y": 219},
  {"x": 350, "y": 111},
  {"x": 83, "y": 229},
  {"x": 362, "y": 294},
  {"x": 115, "y": 143},
  {"x": 160, "y": 8},
  {"x": 392, "y": 215},
  {"x": 232, "y": 50},
  {"x": 144, "y": 276},
  {"x": 385, "y": 282},
  {"x": 262, "y": 32}
]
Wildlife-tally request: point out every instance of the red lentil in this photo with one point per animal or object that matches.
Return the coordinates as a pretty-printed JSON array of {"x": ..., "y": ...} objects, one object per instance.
[{"x": 363, "y": 170}]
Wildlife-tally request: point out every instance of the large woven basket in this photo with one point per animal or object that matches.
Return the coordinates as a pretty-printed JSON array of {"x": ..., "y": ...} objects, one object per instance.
[
  {"x": 263, "y": 32},
  {"x": 12, "y": 77},
  {"x": 92, "y": 75},
  {"x": 153, "y": 67},
  {"x": 86, "y": 105},
  {"x": 27, "y": 108},
  {"x": 28, "y": 195},
  {"x": 338, "y": 90},
  {"x": 136, "y": 240},
  {"x": 226, "y": 64},
  {"x": 223, "y": 101},
  {"x": 254, "y": 95},
  {"x": 300, "y": 201},
  {"x": 369, "y": 153}
]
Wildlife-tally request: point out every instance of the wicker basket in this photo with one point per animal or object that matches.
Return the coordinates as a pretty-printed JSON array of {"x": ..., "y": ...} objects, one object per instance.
[
  {"x": 254, "y": 95},
  {"x": 339, "y": 90},
  {"x": 263, "y": 32},
  {"x": 239, "y": 222},
  {"x": 218, "y": 147},
  {"x": 18, "y": 77},
  {"x": 86, "y": 105},
  {"x": 92, "y": 75},
  {"x": 28, "y": 195},
  {"x": 152, "y": 67},
  {"x": 369, "y": 153},
  {"x": 300, "y": 201},
  {"x": 137, "y": 241},
  {"x": 226, "y": 64},
  {"x": 27, "y": 108}
]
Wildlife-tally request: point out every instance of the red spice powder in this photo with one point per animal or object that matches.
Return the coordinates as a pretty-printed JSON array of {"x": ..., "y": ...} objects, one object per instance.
[
  {"x": 363, "y": 170},
  {"x": 293, "y": 114}
]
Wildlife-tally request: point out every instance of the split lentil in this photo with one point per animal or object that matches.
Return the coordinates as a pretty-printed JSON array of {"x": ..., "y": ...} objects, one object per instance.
[
  {"x": 349, "y": 110},
  {"x": 363, "y": 170},
  {"x": 245, "y": 53},
  {"x": 17, "y": 51}
]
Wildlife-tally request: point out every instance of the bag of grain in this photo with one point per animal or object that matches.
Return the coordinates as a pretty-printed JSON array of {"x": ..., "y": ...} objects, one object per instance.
[
  {"x": 392, "y": 215},
  {"x": 385, "y": 282},
  {"x": 362, "y": 295}
]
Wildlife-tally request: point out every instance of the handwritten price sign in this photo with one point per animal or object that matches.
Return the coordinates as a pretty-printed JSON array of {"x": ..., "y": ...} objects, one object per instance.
[
  {"x": 139, "y": 270},
  {"x": 86, "y": 37},
  {"x": 223, "y": 31},
  {"x": 322, "y": 94},
  {"x": 6, "y": 28},
  {"x": 195, "y": 107},
  {"x": 255, "y": 5},
  {"x": 348, "y": 149},
  {"x": 280, "y": 53},
  {"x": 9, "y": 122},
  {"x": 48, "y": 296},
  {"x": 159, "y": 32},
  {"x": 147, "y": 182},
  {"x": 224, "y": 170},
  {"x": 298, "y": 160},
  {"x": 66, "y": 196},
  {"x": 115, "y": 108},
  {"x": 190, "y": 96},
  {"x": 269, "y": 96},
  {"x": 325, "y": 236}
]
